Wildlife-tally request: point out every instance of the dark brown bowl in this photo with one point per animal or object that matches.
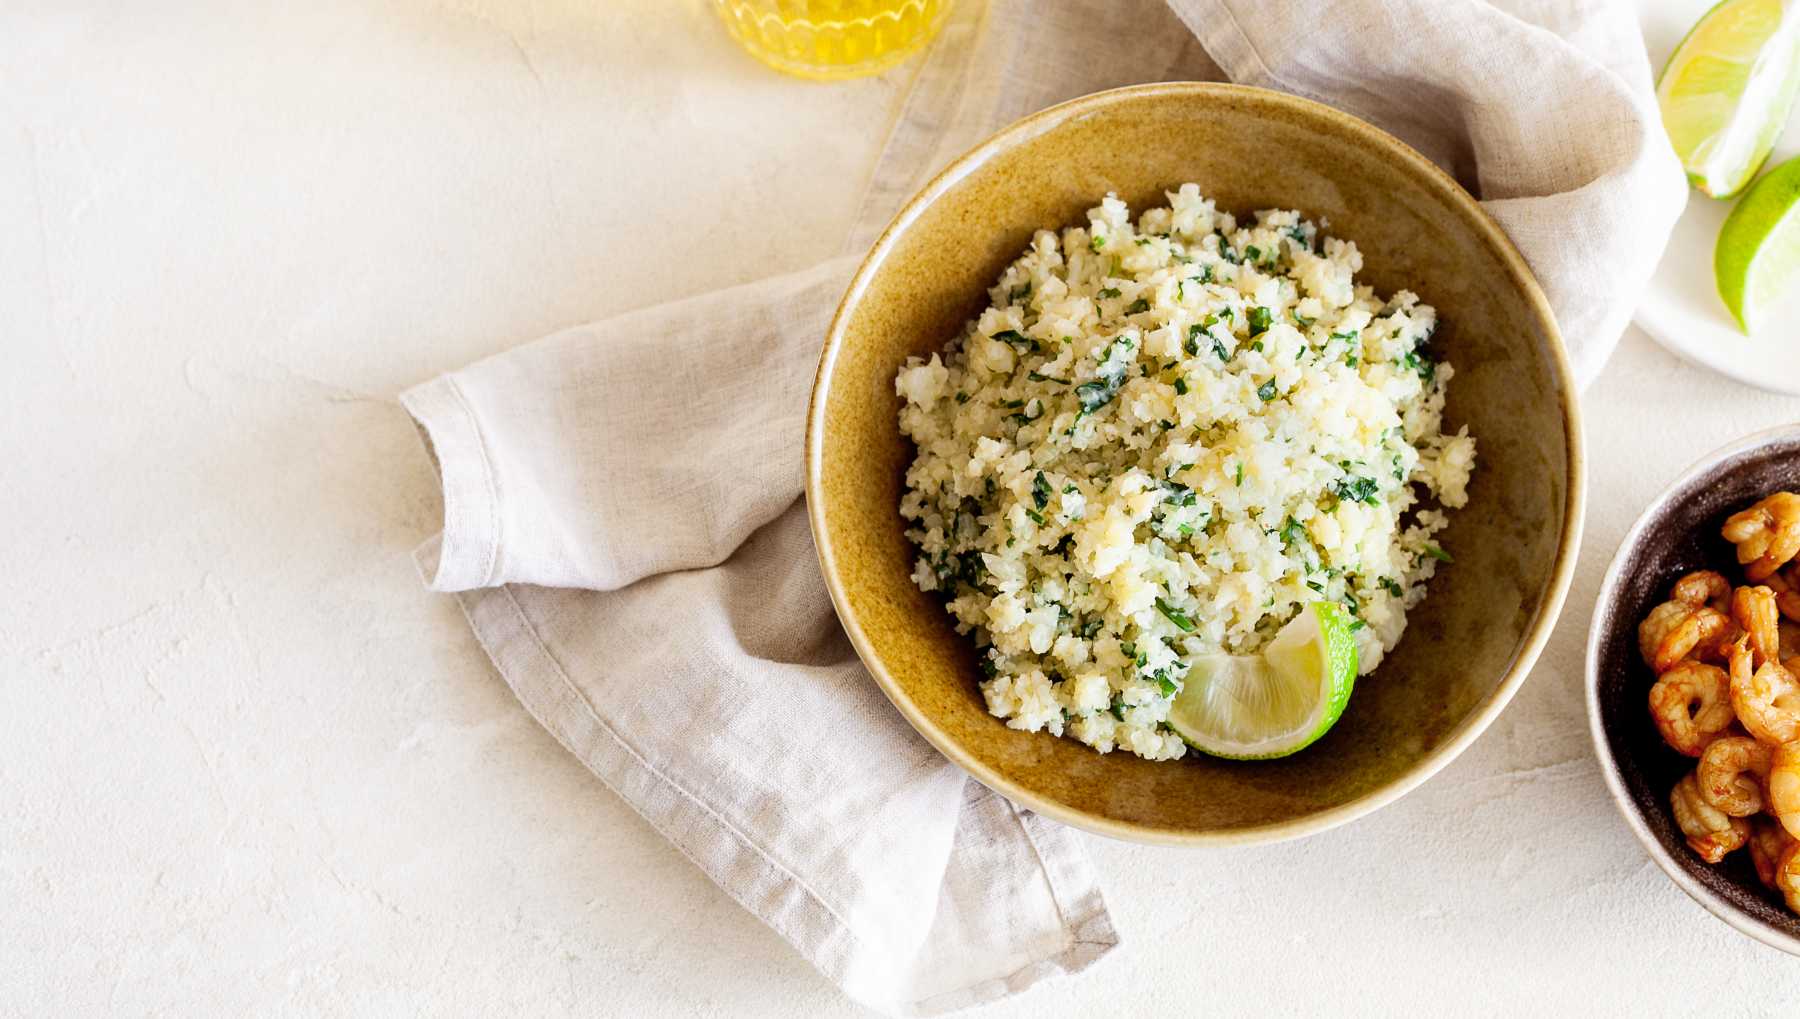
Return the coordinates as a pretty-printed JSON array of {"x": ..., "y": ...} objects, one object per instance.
[{"x": 1679, "y": 532}]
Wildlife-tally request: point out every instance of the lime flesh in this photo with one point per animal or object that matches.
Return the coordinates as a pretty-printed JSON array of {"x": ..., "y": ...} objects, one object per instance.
[
  {"x": 1757, "y": 258},
  {"x": 1726, "y": 91},
  {"x": 1253, "y": 707}
]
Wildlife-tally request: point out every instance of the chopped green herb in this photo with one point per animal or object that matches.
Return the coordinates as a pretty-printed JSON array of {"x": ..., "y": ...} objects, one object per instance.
[
  {"x": 1392, "y": 586},
  {"x": 1108, "y": 292},
  {"x": 1096, "y": 242},
  {"x": 1118, "y": 710},
  {"x": 1302, "y": 321},
  {"x": 1141, "y": 304},
  {"x": 1013, "y": 404},
  {"x": 1036, "y": 517},
  {"x": 1096, "y": 394},
  {"x": 1175, "y": 615},
  {"x": 1017, "y": 339},
  {"x": 1257, "y": 346},
  {"x": 1039, "y": 377},
  {"x": 1070, "y": 489},
  {"x": 1356, "y": 489},
  {"x": 1087, "y": 630},
  {"x": 1166, "y": 684},
  {"x": 1186, "y": 529},
  {"x": 1253, "y": 253},
  {"x": 1141, "y": 241},
  {"x": 1266, "y": 391},
  {"x": 986, "y": 664},
  {"x": 1193, "y": 340},
  {"x": 1292, "y": 532},
  {"x": 962, "y": 397},
  {"x": 1181, "y": 386},
  {"x": 1424, "y": 365},
  {"x": 1219, "y": 349},
  {"x": 1019, "y": 294},
  {"x": 1439, "y": 554},
  {"x": 1260, "y": 320},
  {"x": 1240, "y": 474},
  {"x": 1040, "y": 490}
]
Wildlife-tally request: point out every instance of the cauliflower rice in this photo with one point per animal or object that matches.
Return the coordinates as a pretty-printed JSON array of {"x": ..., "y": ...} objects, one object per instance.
[{"x": 1163, "y": 440}]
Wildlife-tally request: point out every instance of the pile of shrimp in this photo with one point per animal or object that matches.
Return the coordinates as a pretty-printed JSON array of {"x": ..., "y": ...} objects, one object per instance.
[{"x": 1727, "y": 692}]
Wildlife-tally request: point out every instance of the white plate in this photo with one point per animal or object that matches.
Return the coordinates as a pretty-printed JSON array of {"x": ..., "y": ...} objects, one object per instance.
[{"x": 1682, "y": 310}]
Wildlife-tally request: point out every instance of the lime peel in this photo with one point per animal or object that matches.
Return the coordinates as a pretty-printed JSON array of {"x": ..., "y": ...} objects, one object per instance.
[
  {"x": 1727, "y": 89},
  {"x": 1757, "y": 257},
  {"x": 1257, "y": 707}
]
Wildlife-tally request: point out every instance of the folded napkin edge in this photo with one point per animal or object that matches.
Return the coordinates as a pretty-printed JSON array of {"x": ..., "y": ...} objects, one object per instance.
[{"x": 467, "y": 554}]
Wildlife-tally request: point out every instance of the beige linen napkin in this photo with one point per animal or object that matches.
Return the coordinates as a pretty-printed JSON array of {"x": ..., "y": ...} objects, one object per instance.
[{"x": 637, "y": 563}]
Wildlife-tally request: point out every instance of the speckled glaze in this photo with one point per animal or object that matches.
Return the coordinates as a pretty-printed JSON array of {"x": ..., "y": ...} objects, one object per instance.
[
  {"x": 1466, "y": 650},
  {"x": 1679, "y": 532}
]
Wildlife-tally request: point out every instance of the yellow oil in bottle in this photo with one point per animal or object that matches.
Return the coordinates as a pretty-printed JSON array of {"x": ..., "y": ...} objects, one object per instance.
[{"x": 832, "y": 39}]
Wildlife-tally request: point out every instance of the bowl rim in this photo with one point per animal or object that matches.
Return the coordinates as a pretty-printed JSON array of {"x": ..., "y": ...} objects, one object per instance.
[
  {"x": 1537, "y": 631},
  {"x": 1743, "y": 922}
]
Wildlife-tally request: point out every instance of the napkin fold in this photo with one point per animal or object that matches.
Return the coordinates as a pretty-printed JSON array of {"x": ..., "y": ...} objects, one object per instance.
[{"x": 622, "y": 514}]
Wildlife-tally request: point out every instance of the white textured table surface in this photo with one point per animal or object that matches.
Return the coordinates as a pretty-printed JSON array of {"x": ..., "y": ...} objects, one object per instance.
[{"x": 248, "y": 766}]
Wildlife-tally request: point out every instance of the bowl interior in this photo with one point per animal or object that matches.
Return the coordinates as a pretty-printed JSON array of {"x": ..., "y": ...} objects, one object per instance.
[
  {"x": 1247, "y": 149},
  {"x": 1680, "y": 533}
]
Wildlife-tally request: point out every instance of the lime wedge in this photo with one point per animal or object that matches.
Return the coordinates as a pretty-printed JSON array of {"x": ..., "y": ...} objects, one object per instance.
[
  {"x": 1270, "y": 705},
  {"x": 1726, "y": 92},
  {"x": 1757, "y": 258}
]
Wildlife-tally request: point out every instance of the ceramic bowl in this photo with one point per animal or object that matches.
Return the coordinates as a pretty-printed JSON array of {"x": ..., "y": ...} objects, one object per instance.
[
  {"x": 1467, "y": 647},
  {"x": 1679, "y": 532}
]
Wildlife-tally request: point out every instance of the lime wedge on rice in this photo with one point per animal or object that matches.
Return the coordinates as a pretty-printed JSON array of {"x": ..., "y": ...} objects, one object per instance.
[
  {"x": 1726, "y": 92},
  {"x": 1249, "y": 707},
  {"x": 1757, "y": 258}
]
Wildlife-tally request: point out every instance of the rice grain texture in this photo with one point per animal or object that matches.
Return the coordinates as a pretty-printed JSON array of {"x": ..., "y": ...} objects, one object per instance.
[{"x": 1163, "y": 439}]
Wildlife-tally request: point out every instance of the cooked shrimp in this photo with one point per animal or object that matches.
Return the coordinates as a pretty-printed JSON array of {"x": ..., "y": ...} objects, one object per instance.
[
  {"x": 1787, "y": 876},
  {"x": 1753, "y": 608},
  {"x": 1784, "y": 787},
  {"x": 1766, "y": 701},
  {"x": 1787, "y": 640},
  {"x": 1691, "y": 705},
  {"x": 1768, "y": 840},
  {"x": 1703, "y": 587},
  {"x": 1701, "y": 630},
  {"x": 1767, "y": 535},
  {"x": 1731, "y": 774},
  {"x": 1786, "y": 585},
  {"x": 1656, "y": 627},
  {"x": 1710, "y": 832}
]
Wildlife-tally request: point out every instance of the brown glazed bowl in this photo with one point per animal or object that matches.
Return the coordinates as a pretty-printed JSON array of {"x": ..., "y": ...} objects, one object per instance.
[
  {"x": 1677, "y": 534},
  {"x": 1468, "y": 646}
]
